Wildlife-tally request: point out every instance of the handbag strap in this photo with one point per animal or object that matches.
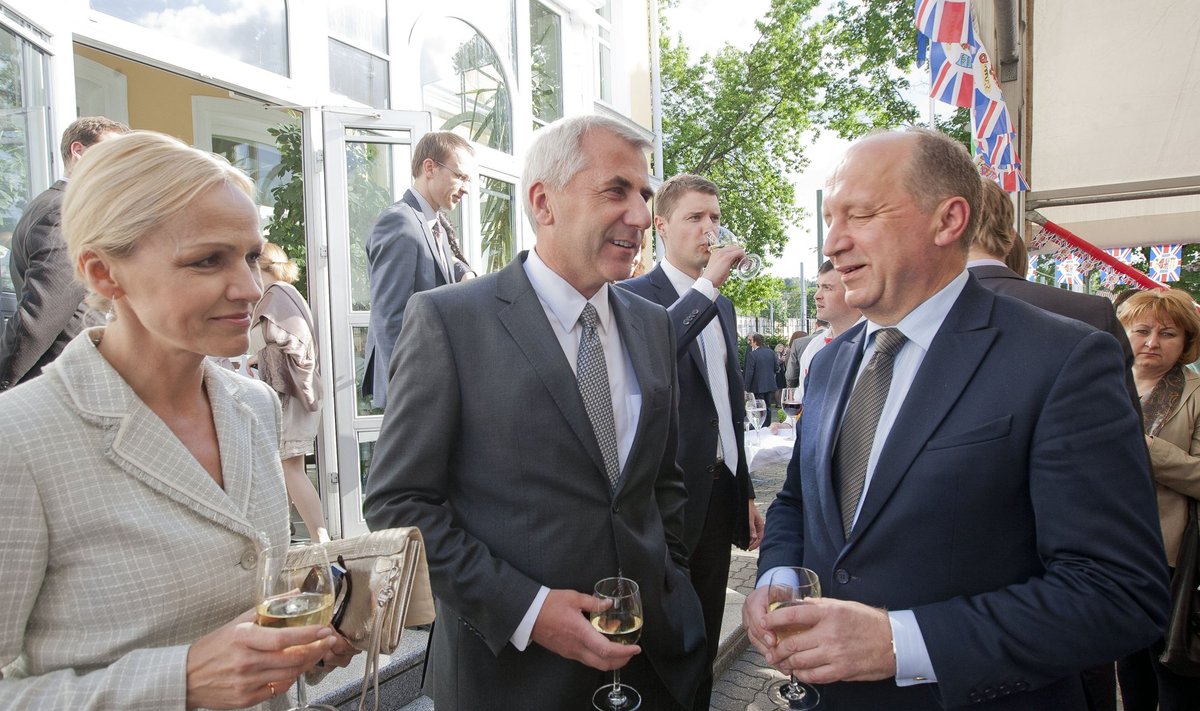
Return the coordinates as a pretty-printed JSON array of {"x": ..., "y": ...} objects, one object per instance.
[{"x": 375, "y": 641}]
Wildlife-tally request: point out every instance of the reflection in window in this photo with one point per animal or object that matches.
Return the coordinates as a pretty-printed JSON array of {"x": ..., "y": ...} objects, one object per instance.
[
  {"x": 360, "y": 22},
  {"x": 463, "y": 86},
  {"x": 496, "y": 222},
  {"x": 358, "y": 75},
  {"x": 604, "y": 53},
  {"x": 259, "y": 160},
  {"x": 368, "y": 192},
  {"x": 252, "y": 31},
  {"x": 364, "y": 407},
  {"x": 545, "y": 36},
  {"x": 24, "y": 142}
]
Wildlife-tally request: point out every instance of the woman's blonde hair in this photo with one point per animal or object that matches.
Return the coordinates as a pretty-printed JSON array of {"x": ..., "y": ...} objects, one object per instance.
[
  {"x": 125, "y": 188},
  {"x": 1165, "y": 305},
  {"x": 276, "y": 262}
]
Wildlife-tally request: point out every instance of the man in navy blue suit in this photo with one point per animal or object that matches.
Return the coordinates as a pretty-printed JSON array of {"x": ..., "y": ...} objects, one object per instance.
[
  {"x": 979, "y": 511},
  {"x": 759, "y": 373}
]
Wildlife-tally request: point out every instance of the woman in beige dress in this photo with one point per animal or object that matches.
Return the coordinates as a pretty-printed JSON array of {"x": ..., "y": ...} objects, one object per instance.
[
  {"x": 285, "y": 353},
  {"x": 140, "y": 481}
]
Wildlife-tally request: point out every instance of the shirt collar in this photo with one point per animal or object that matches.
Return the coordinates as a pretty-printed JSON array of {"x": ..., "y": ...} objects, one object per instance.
[
  {"x": 922, "y": 323},
  {"x": 562, "y": 299},
  {"x": 986, "y": 262},
  {"x": 682, "y": 282},
  {"x": 427, "y": 211}
]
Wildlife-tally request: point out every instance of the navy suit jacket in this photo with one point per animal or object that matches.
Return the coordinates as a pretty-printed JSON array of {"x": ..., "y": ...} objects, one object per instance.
[
  {"x": 760, "y": 370},
  {"x": 698, "y": 427},
  {"x": 1011, "y": 510}
]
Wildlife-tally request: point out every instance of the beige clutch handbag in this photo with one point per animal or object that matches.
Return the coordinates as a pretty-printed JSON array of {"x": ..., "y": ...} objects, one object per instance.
[{"x": 386, "y": 589}]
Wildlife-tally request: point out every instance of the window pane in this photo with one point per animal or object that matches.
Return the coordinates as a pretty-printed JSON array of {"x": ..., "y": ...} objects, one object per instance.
[
  {"x": 259, "y": 160},
  {"x": 546, "y": 37},
  {"x": 359, "y": 334},
  {"x": 605, "y": 73},
  {"x": 369, "y": 190},
  {"x": 463, "y": 86},
  {"x": 252, "y": 31},
  {"x": 24, "y": 138},
  {"x": 358, "y": 75},
  {"x": 496, "y": 223},
  {"x": 362, "y": 22}
]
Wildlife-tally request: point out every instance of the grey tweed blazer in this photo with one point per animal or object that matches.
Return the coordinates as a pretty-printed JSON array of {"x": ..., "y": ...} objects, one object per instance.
[{"x": 119, "y": 550}]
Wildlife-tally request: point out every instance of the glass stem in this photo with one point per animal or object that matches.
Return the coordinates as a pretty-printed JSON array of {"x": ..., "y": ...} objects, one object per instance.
[
  {"x": 301, "y": 693},
  {"x": 616, "y": 690}
]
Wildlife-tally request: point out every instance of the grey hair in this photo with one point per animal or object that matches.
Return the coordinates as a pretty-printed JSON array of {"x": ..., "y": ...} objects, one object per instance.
[{"x": 556, "y": 155}]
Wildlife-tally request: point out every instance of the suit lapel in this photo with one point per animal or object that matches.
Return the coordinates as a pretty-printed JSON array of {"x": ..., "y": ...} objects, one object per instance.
[
  {"x": 954, "y": 357},
  {"x": 633, "y": 338},
  {"x": 435, "y": 249},
  {"x": 523, "y": 316},
  {"x": 666, "y": 296},
  {"x": 841, "y": 381}
]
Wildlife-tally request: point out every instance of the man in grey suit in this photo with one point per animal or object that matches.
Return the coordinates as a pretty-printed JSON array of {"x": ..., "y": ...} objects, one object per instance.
[
  {"x": 531, "y": 436},
  {"x": 50, "y": 310},
  {"x": 410, "y": 248},
  {"x": 759, "y": 373},
  {"x": 720, "y": 507}
]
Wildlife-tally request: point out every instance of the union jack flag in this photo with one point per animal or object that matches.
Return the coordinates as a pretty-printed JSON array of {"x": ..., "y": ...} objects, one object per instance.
[
  {"x": 1011, "y": 180},
  {"x": 943, "y": 20},
  {"x": 997, "y": 150},
  {"x": 1124, "y": 255},
  {"x": 1067, "y": 271},
  {"x": 953, "y": 75},
  {"x": 1031, "y": 273},
  {"x": 1166, "y": 261},
  {"x": 989, "y": 116}
]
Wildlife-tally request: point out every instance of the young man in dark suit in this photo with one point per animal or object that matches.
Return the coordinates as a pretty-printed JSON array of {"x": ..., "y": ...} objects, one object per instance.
[
  {"x": 50, "y": 309},
  {"x": 720, "y": 508},
  {"x": 970, "y": 480},
  {"x": 759, "y": 373}
]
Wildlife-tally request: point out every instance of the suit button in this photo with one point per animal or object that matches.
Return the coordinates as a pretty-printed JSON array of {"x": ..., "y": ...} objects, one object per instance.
[
  {"x": 714, "y": 422},
  {"x": 712, "y": 468},
  {"x": 990, "y": 693},
  {"x": 1021, "y": 685},
  {"x": 249, "y": 559},
  {"x": 1004, "y": 690},
  {"x": 841, "y": 576},
  {"x": 616, "y": 508},
  {"x": 975, "y": 697}
]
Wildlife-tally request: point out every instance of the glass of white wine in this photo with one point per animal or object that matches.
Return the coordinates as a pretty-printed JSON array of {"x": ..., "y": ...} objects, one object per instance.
[
  {"x": 295, "y": 588},
  {"x": 621, "y": 622},
  {"x": 787, "y": 587},
  {"x": 749, "y": 265}
]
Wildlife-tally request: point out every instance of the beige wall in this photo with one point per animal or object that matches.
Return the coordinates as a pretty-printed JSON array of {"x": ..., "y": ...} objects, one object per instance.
[{"x": 158, "y": 100}]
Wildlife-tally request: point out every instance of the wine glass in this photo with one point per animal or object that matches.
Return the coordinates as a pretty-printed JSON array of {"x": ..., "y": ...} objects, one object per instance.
[
  {"x": 787, "y": 587},
  {"x": 293, "y": 592},
  {"x": 757, "y": 411},
  {"x": 791, "y": 405},
  {"x": 749, "y": 265},
  {"x": 620, "y": 623}
]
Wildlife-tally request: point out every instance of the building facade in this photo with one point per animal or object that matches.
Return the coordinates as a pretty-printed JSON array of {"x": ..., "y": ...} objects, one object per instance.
[{"x": 327, "y": 96}]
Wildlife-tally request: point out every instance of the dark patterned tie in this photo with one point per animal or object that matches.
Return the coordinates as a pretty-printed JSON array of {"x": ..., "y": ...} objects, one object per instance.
[
  {"x": 859, "y": 423},
  {"x": 591, "y": 374},
  {"x": 443, "y": 258}
]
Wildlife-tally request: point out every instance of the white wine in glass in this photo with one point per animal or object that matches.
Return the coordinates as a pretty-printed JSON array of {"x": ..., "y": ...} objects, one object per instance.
[
  {"x": 295, "y": 588},
  {"x": 749, "y": 265},
  {"x": 757, "y": 412},
  {"x": 621, "y": 622},
  {"x": 788, "y": 587}
]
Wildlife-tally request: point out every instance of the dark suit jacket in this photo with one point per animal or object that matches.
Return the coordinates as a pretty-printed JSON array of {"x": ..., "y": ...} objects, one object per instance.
[
  {"x": 698, "y": 427},
  {"x": 400, "y": 263},
  {"x": 50, "y": 310},
  {"x": 487, "y": 448},
  {"x": 760, "y": 370},
  {"x": 1011, "y": 510},
  {"x": 1095, "y": 311}
]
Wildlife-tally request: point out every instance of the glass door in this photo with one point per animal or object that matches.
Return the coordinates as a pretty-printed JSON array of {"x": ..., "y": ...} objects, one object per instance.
[{"x": 367, "y": 164}]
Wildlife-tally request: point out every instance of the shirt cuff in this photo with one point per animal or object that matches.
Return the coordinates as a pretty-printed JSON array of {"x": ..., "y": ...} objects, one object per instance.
[
  {"x": 705, "y": 287},
  {"x": 520, "y": 638},
  {"x": 912, "y": 657},
  {"x": 763, "y": 578}
]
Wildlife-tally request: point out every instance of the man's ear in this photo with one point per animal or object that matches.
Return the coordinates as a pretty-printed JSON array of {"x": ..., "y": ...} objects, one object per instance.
[
  {"x": 659, "y": 224},
  {"x": 97, "y": 272},
  {"x": 539, "y": 201},
  {"x": 950, "y": 221}
]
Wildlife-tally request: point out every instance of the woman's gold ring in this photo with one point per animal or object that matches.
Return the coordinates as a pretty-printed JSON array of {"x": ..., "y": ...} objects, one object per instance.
[{"x": 271, "y": 687}]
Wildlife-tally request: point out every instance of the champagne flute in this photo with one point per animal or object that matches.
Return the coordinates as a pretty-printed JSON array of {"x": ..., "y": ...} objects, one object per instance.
[
  {"x": 620, "y": 623},
  {"x": 787, "y": 587},
  {"x": 294, "y": 592},
  {"x": 758, "y": 415},
  {"x": 749, "y": 265}
]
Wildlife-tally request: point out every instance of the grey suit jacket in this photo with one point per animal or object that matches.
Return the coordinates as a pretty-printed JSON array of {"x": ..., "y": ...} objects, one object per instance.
[
  {"x": 401, "y": 262},
  {"x": 119, "y": 550},
  {"x": 50, "y": 310},
  {"x": 487, "y": 448}
]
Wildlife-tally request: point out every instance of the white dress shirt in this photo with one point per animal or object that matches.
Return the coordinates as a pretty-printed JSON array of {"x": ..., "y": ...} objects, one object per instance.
[
  {"x": 913, "y": 665},
  {"x": 430, "y": 216},
  {"x": 563, "y": 305},
  {"x": 712, "y": 345}
]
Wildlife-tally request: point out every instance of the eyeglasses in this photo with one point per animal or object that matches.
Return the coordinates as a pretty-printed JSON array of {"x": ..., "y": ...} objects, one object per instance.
[{"x": 462, "y": 177}]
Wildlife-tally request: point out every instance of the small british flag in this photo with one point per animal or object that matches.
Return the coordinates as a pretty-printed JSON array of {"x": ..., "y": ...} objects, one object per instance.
[
  {"x": 943, "y": 20},
  {"x": 1166, "y": 261},
  {"x": 1031, "y": 272},
  {"x": 953, "y": 74}
]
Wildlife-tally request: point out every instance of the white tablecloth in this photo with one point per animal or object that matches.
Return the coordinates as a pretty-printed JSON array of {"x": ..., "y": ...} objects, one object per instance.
[{"x": 764, "y": 449}]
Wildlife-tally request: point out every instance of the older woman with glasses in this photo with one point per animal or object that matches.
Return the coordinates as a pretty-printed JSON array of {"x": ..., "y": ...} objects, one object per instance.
[
  {"x": 141, "y": 482},
  {"x": 1164, "y": 331}
]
